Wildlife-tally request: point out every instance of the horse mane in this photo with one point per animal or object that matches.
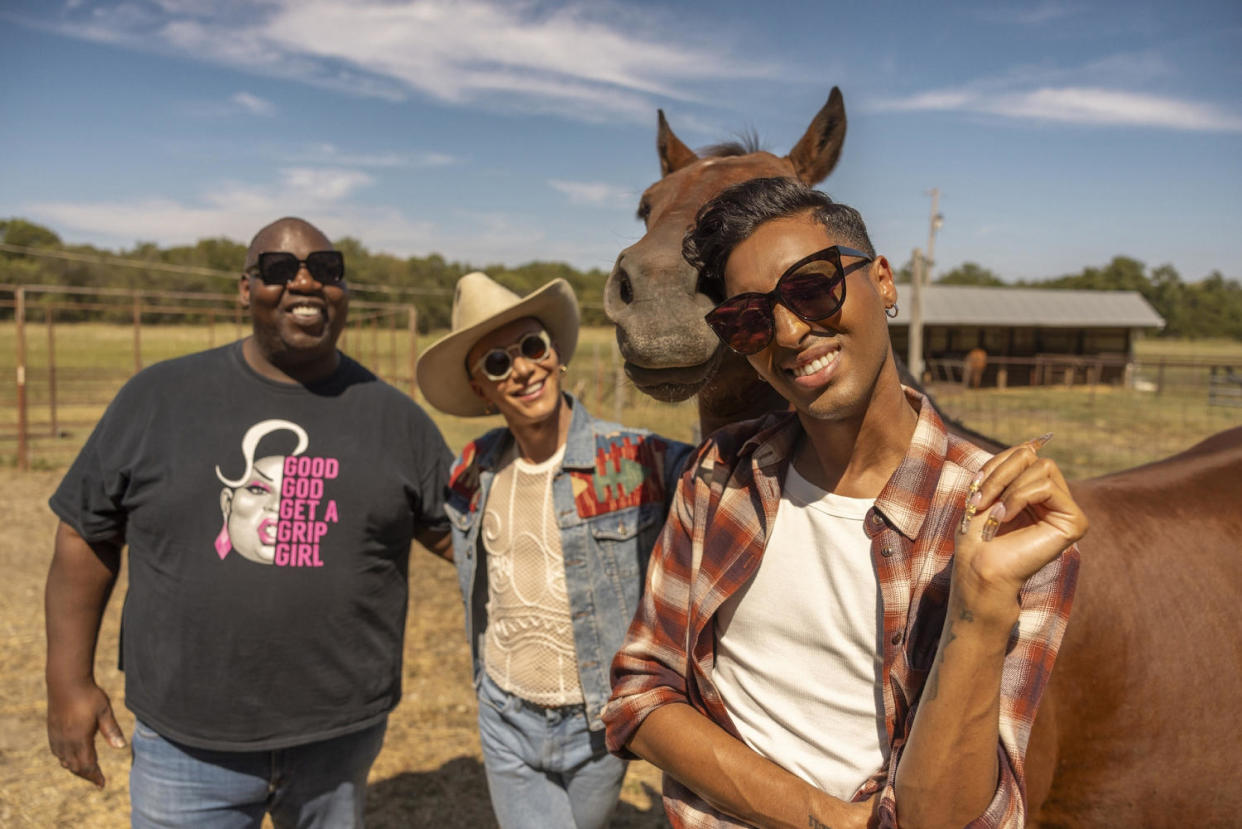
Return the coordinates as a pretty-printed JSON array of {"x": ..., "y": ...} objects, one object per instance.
[{"x": 746, "y": 143}]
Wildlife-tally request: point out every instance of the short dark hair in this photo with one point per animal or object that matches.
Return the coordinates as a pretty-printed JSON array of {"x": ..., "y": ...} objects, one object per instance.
[{"x": 730, "y": 218}]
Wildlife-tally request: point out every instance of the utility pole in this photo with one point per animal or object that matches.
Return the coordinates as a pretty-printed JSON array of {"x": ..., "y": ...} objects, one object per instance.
[
  {"x": 920, "y": 279},
  {"x": 934, "y": 223},
  {"x": 914, "y": 346}
]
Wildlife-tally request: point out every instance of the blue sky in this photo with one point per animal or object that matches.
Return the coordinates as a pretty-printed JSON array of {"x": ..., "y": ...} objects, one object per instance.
[{"x": 1059, "y": 133}]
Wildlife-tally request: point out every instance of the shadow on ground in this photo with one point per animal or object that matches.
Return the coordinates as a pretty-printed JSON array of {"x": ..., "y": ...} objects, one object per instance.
[{"x": 455, "y": 795}]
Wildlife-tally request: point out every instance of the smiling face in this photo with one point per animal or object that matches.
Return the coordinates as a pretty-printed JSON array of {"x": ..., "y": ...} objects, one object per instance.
[
  {"x": 828, "y": 370},
  {"x": 532, "y": 392},
  {"x": 296, "y": 325},
  {"x": 252, "y": 510}
]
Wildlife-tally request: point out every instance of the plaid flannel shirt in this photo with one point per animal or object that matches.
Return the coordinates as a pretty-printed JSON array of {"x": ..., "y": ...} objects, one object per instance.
[{"x": 725, "y": 508}]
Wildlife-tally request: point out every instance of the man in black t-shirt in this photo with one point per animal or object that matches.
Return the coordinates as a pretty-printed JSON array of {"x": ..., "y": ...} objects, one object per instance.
[{"x": 268, "y": 492}]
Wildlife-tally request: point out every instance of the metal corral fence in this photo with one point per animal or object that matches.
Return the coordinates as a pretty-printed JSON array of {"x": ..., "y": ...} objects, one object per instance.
[
  {"x": 73, "y": 348},
  {"x": 68, "y": 350},
  {"x": 1150, "y": 408}
]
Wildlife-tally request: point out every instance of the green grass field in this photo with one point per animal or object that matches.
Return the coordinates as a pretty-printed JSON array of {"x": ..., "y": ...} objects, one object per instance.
[{"x": 1098, "y": 428}]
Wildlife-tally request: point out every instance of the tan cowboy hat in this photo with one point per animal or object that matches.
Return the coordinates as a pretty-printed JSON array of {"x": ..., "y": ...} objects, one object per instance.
[{"x": 480, "y": 305}]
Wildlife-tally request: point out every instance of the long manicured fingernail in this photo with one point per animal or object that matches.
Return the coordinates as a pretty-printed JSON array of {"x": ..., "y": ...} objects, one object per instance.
[
  {"x": 967, "y": 517},
  {"x": 995, "y": 516},
  {"x": 973, "y": 501},
  {"x": 1038, "y": 443},
  {"x": 977, "y": 482}
]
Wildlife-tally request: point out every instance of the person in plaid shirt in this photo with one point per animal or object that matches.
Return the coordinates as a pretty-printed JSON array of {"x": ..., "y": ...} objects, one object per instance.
[{"x": 851, "y": 614}]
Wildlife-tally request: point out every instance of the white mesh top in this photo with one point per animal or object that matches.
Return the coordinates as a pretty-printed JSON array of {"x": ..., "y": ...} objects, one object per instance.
[{"x": 529, "y": 645}]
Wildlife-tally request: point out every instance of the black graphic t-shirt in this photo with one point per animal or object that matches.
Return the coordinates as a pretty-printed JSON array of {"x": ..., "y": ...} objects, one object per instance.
[{"x": 269, "y": 528}]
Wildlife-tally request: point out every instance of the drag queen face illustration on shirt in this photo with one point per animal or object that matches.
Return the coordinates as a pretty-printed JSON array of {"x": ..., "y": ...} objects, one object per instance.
[{"x": 251, "y": 504}]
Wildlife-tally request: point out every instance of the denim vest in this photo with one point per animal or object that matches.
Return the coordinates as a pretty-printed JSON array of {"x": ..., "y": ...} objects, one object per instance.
[{"x": 610, "y": 496}]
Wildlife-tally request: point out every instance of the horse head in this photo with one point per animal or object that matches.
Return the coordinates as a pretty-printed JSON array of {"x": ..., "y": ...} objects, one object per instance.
[{"x": 652, "y": 294}]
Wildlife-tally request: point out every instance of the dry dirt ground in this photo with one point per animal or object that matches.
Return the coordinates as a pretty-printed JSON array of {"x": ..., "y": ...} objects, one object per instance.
[{"x": 429, "y": 773}]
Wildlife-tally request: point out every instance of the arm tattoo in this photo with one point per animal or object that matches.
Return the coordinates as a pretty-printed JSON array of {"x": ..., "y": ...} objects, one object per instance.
[{"x": 946, "y": 639}]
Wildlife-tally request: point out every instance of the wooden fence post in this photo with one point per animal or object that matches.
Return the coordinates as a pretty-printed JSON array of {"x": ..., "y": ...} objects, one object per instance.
[
  {"x": 392, "y": 346},
  {"x": 375, "y": 331},
  {"x": 137, "y": 332},
  {"x": 51, "y": 373},
  {"x": 413, "y": 328},
  {"x": 19, "y": 317},
  {"x": 618, "y": 401},
  {"x": 599, "y": 379}
]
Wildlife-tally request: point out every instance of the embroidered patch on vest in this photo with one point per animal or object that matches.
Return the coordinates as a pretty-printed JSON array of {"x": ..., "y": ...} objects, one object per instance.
[
  {"x": 629, "y": 471},
  {"x": 464, "y": 477}
]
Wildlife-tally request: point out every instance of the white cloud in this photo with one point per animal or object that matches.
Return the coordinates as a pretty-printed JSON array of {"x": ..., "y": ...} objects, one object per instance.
[
  {"x": 327, "y": 153},
  {"x": 324, "y": 196},
  {"x": 1075, "y": 105},
  {"x": 322, "y": 185},
  {"x": 234, "y": 209},
  {"x": 593, "y": 192},
  {"x": 253, "y": 104},
  {"x": 1104, "y": 106},
  {"x": 595, "y": 62},
  {"x": 239, "y": 103},
  {"x": 1030, "y": 15}
]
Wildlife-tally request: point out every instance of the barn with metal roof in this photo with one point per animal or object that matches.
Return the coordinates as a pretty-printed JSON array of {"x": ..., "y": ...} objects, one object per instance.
[{"x": 1020, "y": 325}]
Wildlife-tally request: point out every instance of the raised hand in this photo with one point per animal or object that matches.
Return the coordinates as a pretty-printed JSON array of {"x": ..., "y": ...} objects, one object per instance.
[{"x": 1019, "y": 516}]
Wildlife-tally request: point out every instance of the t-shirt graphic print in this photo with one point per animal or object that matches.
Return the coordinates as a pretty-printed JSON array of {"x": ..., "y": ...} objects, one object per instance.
[{"x": 279, "y": 510}]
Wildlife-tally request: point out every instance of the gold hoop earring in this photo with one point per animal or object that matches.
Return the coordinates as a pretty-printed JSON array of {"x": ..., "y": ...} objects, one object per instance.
[{"x": 891, "y": 311}]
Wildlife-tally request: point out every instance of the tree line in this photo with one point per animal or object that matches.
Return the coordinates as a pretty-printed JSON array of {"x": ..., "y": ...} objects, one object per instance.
[
  {"x": 424, "y": 281},
  {"x": 1210, "y": 307}
]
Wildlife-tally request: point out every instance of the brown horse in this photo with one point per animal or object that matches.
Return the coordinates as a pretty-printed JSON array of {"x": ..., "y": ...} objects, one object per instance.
[
  {"x": 1135, "y": 728},
  {"x": 976, "y": 361},
  {"x": 651, "y": 295}
]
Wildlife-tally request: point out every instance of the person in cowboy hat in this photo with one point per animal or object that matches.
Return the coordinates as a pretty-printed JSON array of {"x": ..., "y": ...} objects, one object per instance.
[{"x": 553, "y": 518}]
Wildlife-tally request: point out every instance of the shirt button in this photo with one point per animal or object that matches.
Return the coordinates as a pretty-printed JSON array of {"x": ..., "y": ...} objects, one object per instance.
[
  {"x": 886, "y": 552},
  {"x": 896, "y": 639}
]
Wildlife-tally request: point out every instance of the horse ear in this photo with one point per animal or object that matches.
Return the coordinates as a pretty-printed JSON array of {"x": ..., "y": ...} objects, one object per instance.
[
  {"x": 673, "y": 154},
  {"x": 817, "y": 151}
]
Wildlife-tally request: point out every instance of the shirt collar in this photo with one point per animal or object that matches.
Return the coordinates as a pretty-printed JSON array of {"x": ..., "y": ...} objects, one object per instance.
[
  {"x": 906, "y": 497},
  {"x": 580, "y": 442},
  {"x": 774, "y": 440}
]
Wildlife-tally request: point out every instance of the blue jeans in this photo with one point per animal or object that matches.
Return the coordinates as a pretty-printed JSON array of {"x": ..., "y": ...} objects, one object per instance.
[
  {"x": 321, "y": 784},
  {"x": 545, "y": 768}
]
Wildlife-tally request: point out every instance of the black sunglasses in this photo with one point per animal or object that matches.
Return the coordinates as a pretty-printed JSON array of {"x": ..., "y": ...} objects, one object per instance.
[
  {"x": 280, "y": 267},
  {"x": 497, "y": 363},
  {"x": 745, "y": 322}
]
